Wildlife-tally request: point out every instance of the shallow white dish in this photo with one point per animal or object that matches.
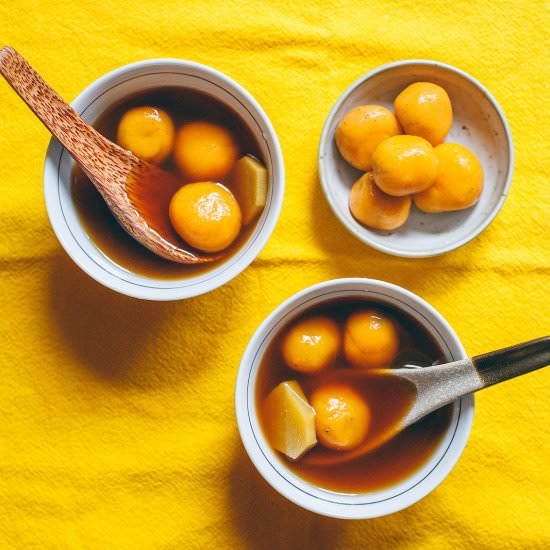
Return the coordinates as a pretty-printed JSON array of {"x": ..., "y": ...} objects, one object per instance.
[
  {"x": 270, "y": 464},
  {"x": 91, "y": 104},
  {"x": 478, "y": 123}
]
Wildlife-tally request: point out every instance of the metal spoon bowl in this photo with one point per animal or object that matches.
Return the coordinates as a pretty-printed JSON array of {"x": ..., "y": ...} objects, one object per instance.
[{"x": 433, "y": 387}]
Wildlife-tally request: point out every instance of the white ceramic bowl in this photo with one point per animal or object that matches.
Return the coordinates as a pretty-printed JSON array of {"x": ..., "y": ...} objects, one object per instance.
[
  {"x": 273, "y": 468},
  {"x": 94, "y": 101},
  {"x": 478, "y": 123}
]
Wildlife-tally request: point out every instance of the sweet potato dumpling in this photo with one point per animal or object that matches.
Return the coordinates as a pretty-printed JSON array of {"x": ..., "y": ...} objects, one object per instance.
[
  {"x": 424, "y": 109},
  {"x": 371, "y": 339},
  {"x": 148, "y": 132},
  {"x": 311, "y": 345},
  {"x": 361, "y": 130},
  {"x": 206, "y": 215},
  {"x": 458, "y": 183},
  {"x": 374, "y": 208},
  {"x": 402, "y": 165},
  {"x": 205, "y": 151},
  {"x": 342, "y": 416}
]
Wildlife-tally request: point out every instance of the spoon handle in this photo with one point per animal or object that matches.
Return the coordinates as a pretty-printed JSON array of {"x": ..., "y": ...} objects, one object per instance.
[
  {"x": 500, "y": 365},
  {"x": 78, "y": 137}
]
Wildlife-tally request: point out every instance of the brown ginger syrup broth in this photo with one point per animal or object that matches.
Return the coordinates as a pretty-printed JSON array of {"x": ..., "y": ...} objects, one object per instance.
[
  {"x": 182, "y": 105},
  {"x": 402, "y": 455}
]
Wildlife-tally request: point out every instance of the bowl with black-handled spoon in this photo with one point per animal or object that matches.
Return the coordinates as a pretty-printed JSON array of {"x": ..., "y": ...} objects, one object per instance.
[{"x": 355, "y": 397}]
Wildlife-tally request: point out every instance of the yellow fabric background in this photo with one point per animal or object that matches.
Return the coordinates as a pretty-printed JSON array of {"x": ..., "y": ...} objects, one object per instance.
[{"x": 117, "y": 427}]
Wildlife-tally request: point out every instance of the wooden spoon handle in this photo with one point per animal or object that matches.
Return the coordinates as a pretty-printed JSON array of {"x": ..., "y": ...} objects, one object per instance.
[
  {"x": 500, "y": 365},
  {"x": 78, "y": 137}
]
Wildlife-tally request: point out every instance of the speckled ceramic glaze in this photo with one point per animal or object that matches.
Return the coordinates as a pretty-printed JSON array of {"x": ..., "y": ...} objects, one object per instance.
[{"x": 478, "y": 123}]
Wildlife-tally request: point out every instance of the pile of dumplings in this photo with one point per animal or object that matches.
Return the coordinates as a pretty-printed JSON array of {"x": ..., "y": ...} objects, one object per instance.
[{"x": 405, "y": 158}]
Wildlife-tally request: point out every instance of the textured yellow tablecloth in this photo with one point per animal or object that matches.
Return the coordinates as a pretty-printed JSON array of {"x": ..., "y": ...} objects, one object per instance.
[{"x": 117, "y": 426}]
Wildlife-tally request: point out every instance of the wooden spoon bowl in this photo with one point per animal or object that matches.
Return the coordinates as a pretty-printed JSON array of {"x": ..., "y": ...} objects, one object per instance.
[{"x": 137, "y": 192}]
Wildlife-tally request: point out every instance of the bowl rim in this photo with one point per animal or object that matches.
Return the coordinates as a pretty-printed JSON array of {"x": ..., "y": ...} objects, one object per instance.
[
  {"x": 287, "y": 483},
  {"x": 155, "y": 291},
  {"x": 324, "y": 179}
]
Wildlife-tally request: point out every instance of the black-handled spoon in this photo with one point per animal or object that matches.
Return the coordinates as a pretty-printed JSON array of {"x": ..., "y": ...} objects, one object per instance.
[{"x": 435, "y": 386}]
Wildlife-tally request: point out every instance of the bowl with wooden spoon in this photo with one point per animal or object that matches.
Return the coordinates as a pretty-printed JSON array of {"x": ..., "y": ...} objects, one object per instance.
[
  {"x": 354, "y": 397},
  {"x": 164, "y": 179}
]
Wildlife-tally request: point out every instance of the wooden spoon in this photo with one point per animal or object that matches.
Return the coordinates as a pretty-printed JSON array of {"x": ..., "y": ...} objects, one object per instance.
[
  {"x": 428, "y": 388},
  {"x": 137, "y": 192}
]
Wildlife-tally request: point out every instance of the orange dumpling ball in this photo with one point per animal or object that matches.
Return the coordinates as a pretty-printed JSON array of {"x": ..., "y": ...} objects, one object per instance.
[
  {"x": 361, "y": 130},
  {"x": 311, "y": 345},
  {"x": 402, "y": 165},
  {"x": 206, "y": 215},
  {"x": 342, "y": 416},
  {"x": 374, "y": 208},
  {"x": 205, "y": 151},
  {"x": 459, "y": 180},
  {"x": 148, "y": 132},
  {"x": 371, "y": 339},
  {"x": 424, "y": 109}
]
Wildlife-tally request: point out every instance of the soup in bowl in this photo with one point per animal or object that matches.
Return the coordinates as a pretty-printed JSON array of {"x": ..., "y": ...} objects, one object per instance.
[
  {"x": 189, "y": 109},
  {"x": 314, "y": 459}
]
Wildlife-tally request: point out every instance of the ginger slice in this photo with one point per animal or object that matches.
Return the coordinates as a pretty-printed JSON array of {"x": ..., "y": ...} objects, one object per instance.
[
  {"x": 248, "y": 182},
  {"x": 290, "y": 420}
]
